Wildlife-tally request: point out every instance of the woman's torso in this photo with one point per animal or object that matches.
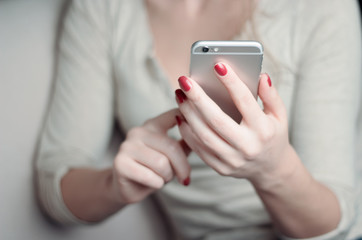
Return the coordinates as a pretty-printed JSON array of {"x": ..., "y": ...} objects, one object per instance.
[
  {"x": 147, "y": 65},
  {"x": 211, "y": 206}
]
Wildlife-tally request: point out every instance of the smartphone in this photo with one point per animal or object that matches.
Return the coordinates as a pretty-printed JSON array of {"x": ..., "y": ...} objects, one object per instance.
[{"x": 245, "y": 58}]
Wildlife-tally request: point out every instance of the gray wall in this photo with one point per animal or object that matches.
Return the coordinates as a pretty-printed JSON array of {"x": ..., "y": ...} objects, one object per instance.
[{"x": 27, "y": 35}]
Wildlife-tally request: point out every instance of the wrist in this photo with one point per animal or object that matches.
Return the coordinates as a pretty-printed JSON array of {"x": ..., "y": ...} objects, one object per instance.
[
  {"x": 289, "y": 167},
  {"x": 300, "y": 206},
  {"x": 87, "y": 194},
  {"x": 110, "y": 193}
]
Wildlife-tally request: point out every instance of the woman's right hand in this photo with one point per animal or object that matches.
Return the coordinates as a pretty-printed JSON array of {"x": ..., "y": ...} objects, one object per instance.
[{"x": 148, "y": 159}]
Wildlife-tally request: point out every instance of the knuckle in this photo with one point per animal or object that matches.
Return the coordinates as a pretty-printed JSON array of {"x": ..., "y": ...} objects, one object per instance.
[
  {"x": 169, "y": 177},
  {"x": 148, "y": 122},
  {"x": 245, "y": 99},
  {"x": 205, "y": 139},
  {"x": 252, "y": 152},
  {"x": 196, "y": 98},
  {"x": 236, "y": 164},
  {"x": 163, "y": 167},
  {"x": 161, "y": 163},
  {"x": 126, "y": 146},
  {"x": 135, "y": 132},
  {"x": 267, "y": 133},
  {"x": 149, "y": 179},
  {"x": 230, "y": 82},
  {"x": 119, "y": 162},
  {"x": 224, "y": 171},
  {"x": 217, "y": 122}
]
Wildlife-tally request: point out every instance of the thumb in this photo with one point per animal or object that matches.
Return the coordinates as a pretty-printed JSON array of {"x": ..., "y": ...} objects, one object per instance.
[
  {"x": 162, "y": 123},
  {"x": 273, "y": 104}
]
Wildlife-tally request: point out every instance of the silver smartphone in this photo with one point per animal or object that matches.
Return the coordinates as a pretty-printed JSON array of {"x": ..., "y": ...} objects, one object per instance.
[{"x": 245, "y": 58}]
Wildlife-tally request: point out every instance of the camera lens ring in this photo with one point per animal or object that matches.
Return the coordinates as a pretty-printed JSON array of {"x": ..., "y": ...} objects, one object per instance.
[{"x": 205, "y": 49}]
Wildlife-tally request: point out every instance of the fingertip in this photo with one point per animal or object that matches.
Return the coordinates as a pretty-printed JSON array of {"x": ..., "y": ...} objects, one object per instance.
[
  {"x": 265, "y": 84},
  {"x": 185, "y": 83},
  {"x": 220, "y": 69},
  {"x": 187, "y": 181},
  {"x": 185, "y": 178},
  {"x": 263, "y": 78},
  {"x": 164, "y": 121},
  {"x": 269, "y": 95},
  {"x": 264, "y": 90},
  {"x": 269, "y": 80}
]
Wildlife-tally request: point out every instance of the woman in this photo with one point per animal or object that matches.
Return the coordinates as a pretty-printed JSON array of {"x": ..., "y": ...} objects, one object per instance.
[{"x": 286, "y": 170}]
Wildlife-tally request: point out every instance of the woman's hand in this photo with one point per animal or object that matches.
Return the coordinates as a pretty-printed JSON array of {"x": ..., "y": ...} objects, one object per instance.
[
  {"x": 148, "y": 159},
  {"x": 255, "y": 148}
]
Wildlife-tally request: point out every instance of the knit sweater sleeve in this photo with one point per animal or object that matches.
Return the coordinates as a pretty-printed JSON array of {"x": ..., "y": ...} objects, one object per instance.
[
  {"x": 79, "y": 122},
  {"x": 326, "y": 100}
]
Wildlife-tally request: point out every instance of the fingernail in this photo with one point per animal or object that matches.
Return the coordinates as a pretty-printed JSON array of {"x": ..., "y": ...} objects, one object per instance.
[
  {"x": 178, "y": 120},
  {"x": 269, "y": 81},
  {"x": 187, "y": 181},
  {"x": 220, "y": 69},
  {"x": 185, "y": 84},
  {"x": 180, "y": 95}
]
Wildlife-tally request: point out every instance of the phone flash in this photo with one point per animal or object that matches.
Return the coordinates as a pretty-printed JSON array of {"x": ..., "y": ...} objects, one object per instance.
[{"x": 216, "y": 49}]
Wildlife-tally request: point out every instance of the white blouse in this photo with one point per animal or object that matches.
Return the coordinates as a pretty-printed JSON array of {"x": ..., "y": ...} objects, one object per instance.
[{"x": 107, "y": 69}]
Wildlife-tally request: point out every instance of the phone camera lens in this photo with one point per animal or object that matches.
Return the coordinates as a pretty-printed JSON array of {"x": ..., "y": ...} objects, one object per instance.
[{"x": 205, "y": 49}]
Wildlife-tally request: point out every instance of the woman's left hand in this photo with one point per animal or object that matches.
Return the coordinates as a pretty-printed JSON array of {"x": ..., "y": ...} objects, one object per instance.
[{"x": 256, "y": 148}]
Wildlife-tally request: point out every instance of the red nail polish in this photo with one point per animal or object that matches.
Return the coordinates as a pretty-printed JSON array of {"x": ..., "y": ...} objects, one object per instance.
[
  {"x": 220, "y": 69},
  {"x": 187, "y": 181},
  {"x": 185, "y": 84},
  {"x": 180, "y": 95},
  {"x": 269, "y": 81},
  {"x": 178, "y": 120}
]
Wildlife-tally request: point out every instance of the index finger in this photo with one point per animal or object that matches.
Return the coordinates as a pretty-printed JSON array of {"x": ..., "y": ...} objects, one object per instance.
[
  {"x": 163, "y": 122},
  {"x": 240, "y": 93},
  {"x": 174, "y": 151}
]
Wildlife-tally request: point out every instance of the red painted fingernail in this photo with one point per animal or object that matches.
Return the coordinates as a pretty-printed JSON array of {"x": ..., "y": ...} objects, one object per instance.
[
  {"x": 269, "y": 81},
  {"x": 187, "y": 181},
  {"x": 220, "y": 69},
  {"x": 178, "y": 120},
  {"x": 180, "y": 95},
  {"x": 185, "y": 84}
]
